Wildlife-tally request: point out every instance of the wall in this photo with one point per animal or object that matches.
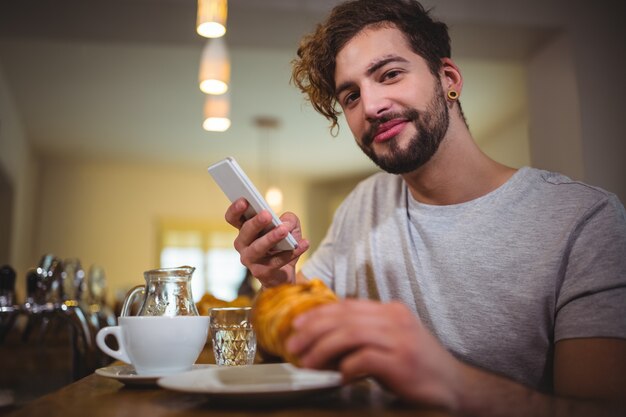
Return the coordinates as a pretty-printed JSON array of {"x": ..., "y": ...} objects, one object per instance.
[
  {"x": 6, "y": 216},
  {"x": 509, "y": 145},
  {"x": 576, "y": 87},
  {"x": 18, "y": 164},
  {"x": 107, "y": 213},
  {"x": 556, "y": 140},
  {"x": 599, "y": 54}
]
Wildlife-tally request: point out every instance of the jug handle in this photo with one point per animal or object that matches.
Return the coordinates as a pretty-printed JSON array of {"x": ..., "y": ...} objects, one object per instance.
[{"x": 128, "y": 301}]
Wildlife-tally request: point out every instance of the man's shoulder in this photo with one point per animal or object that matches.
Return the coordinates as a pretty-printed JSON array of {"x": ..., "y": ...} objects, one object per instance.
[
  {"x": 563, "y": 187},
  {"x": 552, "y": 191}
]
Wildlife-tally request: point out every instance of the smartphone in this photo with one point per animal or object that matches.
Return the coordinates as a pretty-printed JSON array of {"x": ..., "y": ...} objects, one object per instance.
[{"x": 235, "y": 183}]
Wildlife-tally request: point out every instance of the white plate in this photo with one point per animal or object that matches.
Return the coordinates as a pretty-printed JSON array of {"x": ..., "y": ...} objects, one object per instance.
[
  {"x": 127, "y": 374},
  {"x": 264, "y": 380}
]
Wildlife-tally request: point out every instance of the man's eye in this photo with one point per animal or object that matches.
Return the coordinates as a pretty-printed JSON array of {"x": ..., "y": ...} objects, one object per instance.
[
  {"x": 350, "y": 97},
  {"x": 391, "y": 74}
]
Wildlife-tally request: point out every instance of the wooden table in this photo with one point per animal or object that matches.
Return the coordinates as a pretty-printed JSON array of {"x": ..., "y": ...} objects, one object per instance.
[{"x": 95, "y": 396}]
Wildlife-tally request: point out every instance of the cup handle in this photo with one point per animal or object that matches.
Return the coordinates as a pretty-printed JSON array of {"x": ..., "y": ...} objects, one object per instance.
[
  {"x": 115, "y": 331},
  {"x": 128, "y": 300}
]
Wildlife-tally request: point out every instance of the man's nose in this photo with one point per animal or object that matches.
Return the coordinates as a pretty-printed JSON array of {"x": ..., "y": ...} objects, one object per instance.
[{"x": 375, "y": 103}]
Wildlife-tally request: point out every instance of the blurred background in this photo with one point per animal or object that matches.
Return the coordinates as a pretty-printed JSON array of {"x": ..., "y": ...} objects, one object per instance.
[{"x": 103, "y": 156}]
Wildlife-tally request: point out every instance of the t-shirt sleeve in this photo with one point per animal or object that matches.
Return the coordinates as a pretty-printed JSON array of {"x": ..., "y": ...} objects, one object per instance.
[{"x": 592, "y": 298}]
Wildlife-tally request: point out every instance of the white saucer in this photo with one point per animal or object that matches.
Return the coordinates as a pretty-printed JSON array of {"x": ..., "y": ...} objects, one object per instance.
[
  {"x": 253, "y": 381},
  {"x": 127, "y": 375}
]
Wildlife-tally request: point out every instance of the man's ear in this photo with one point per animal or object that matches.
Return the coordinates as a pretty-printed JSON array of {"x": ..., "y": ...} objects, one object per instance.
[{"x": 451, "y": 77}]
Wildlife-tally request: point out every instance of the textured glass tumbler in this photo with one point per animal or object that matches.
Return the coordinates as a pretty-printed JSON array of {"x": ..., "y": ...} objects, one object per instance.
[{"x": 232, "y": 335}]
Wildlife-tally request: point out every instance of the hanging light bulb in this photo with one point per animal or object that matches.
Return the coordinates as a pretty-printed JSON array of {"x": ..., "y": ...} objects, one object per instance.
[
  {"x": 214, "y": 67},
  {"x": 211, "y": 21},
  {"x": 216, "y": 113},
  {"x": 274, "y": 197}
]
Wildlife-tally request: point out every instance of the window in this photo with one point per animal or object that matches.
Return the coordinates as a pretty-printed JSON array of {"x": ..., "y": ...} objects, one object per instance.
[{"x": 208, "y": 249}]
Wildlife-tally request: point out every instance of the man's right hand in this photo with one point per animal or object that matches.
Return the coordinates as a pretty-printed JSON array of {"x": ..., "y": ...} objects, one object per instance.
[{"x": 255, "y": 249}]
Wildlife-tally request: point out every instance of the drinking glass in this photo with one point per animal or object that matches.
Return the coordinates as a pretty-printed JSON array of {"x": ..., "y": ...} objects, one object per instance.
[{"x": 232, "y": 335}]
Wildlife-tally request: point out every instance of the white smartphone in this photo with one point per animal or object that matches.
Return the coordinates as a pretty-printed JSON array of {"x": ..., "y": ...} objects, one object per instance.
[{"x": 235, "y": 183}]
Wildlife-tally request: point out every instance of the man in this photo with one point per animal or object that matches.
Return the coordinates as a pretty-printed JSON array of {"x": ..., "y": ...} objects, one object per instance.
[{"x": 493, "y": 291}]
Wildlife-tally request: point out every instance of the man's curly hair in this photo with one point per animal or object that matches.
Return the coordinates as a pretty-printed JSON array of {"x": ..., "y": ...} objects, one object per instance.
[{"x": 314, "y": 69}]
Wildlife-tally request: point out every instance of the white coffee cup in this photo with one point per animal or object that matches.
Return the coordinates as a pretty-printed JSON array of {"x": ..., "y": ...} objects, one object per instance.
[{"x": 157, "y": 345}]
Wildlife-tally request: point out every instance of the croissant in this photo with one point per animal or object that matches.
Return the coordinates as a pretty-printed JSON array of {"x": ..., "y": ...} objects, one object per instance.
[
  {"x": 275, "y": 308},
  {"x": 209, "y": 301}
]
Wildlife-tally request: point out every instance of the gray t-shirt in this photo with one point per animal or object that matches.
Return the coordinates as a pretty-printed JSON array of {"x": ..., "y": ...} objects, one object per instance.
[{"x": 499, "y": 279}]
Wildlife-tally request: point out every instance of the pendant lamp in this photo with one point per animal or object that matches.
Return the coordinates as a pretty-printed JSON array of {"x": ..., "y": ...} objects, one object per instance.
[
  {"x": 214, "y": 73},
  {"x": 211, "y": 21},
  {"x": 216, "y": 113}
]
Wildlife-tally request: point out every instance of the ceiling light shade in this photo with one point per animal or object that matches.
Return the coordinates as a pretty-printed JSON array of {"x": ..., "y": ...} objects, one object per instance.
[
  {"x": 211, "y": 22},
  {"x": 214, "y": 67},
  {"x": 216, "y": 113}
]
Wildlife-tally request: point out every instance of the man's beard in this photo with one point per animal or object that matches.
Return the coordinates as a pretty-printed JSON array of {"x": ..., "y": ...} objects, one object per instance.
[{"x": 431, "y": 126}]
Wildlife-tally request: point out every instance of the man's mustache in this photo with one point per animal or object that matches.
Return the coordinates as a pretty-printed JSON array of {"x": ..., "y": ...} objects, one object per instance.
[{"x": 411, "y": 115}]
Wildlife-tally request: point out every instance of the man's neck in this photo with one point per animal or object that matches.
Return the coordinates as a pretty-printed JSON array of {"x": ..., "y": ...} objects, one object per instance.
[{"x": 457, "y": 173}]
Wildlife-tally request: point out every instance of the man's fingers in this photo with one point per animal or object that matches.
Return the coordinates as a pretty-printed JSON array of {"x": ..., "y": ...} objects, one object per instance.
[
  {"x": 328, "y": 332},
  {"x": 234, "y": 213},
  {"x": 250, "y": 231}
]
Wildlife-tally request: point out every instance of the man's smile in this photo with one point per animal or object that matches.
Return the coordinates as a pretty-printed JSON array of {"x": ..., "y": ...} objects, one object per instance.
[
  {"x": 388, "y": 126},
  {"x": 389, "y": 129}
]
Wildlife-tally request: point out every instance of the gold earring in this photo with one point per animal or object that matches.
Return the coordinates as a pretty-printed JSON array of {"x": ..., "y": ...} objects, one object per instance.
[{"x": 453, "y": 95}]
